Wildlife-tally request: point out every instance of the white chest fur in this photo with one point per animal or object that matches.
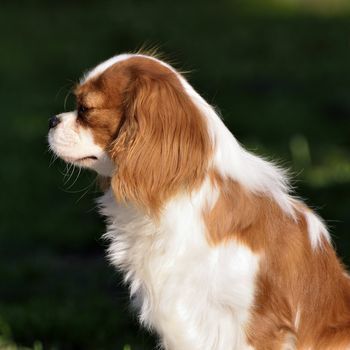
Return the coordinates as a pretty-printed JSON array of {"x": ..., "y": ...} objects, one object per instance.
[{"x": 194, "y": 295}]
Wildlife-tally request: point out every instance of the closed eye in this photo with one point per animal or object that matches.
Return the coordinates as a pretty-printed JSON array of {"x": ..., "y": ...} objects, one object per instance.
[{"x": 82, "y": 110}]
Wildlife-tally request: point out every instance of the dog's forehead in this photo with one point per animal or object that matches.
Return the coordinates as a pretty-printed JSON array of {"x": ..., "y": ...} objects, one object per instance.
[
  {"x": 93, "y": 99},
  {"x": 88, "y": 94}
]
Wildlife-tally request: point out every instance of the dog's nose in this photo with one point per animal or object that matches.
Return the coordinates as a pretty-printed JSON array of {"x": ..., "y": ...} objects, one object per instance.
[{"x": 54, "y": 121}]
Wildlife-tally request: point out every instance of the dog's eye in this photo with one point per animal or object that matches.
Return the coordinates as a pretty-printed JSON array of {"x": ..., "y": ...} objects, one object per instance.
[{"x": 81, "y": 110}]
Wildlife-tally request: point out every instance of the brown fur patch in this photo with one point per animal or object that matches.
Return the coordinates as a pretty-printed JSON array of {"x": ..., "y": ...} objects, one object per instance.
[
  {"x": 163, "y": 146},
  {"x": 94, "y": 99},
  {"x": 102, "y": 97},
  {"x": 292, "y": 275},
  {"x": 151, "y": 128}
]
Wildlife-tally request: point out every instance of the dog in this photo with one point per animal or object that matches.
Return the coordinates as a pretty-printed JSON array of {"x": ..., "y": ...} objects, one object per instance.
[{"x": 217, "y": 253}]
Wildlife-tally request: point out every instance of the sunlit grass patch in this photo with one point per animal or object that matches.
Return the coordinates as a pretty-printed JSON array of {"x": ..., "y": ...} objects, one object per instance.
[
  {"x": 6, "y": 342},
  {"x": 332, "y": 168},
  {"x": 317, "y": 7},
  {"x": 9, "y": 345}
]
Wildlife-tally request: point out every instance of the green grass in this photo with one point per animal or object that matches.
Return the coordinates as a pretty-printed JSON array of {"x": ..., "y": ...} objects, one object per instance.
[{"x": 281, "y": 80}]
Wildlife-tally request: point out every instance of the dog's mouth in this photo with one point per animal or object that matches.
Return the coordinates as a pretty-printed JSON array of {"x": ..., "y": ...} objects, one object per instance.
[
  {"x": 83, "y": 161},
  {"x": 88, "y": 158}
]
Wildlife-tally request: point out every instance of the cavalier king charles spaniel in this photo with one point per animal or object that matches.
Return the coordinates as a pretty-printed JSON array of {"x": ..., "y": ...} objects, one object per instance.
[{"x": 217, "y": 253}]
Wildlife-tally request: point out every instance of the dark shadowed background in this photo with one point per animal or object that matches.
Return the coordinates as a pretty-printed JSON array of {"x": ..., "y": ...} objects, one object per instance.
[{"x": 279, "y": 73}]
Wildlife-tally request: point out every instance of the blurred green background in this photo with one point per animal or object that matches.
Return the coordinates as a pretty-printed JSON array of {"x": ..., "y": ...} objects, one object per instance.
[{"x": 278, "y": 70}]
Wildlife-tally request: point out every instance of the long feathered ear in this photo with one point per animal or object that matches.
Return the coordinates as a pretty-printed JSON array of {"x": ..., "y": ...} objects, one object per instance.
[{"x": 163, "y": 146}]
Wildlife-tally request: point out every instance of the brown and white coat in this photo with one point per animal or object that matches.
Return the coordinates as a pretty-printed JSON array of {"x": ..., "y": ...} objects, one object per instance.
[{"x": 217, "y": 253}]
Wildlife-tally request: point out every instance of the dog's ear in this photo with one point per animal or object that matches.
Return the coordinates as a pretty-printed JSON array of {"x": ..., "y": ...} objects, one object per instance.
[{"x": 162, "y": 146}]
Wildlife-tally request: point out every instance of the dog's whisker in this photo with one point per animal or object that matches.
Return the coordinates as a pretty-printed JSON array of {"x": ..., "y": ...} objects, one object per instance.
[
  {"x": 75, "y": 180},
  {"x": 54, "y": 157},
  {"x": 61, "y": 88},
  {"x": 70, "y": 171},
  {"x": 85, "y": 190},
  {"x": 84, "y": 194},
  {"x": 65, "y": 171},
  {"x": 66, "y": 98}
]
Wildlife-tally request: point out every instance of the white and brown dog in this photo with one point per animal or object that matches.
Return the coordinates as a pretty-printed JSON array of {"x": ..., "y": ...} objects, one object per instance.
[{"x": 218, "y": 255}]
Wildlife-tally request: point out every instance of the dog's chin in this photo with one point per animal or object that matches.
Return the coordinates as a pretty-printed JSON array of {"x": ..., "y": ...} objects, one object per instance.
[{"x": 103, "y": 165}]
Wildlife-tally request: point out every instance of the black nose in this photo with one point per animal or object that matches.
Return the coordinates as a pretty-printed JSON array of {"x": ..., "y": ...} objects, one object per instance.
[{"x": 54, "y": 121}]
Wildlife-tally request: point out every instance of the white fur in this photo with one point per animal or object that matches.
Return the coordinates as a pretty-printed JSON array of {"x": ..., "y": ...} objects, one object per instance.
[
  {"x": 297, "y": 319},
  {"x": 194, "y": 295},
  {"x": 71, "y": 142},
  {"x": 316, "y": 228},
  {"x": 99, "y": 69},
  {"x": 290, "y": 342}
]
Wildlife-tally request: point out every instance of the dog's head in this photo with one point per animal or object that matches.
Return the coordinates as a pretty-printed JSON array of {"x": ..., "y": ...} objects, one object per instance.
[{"x": 135, "y": 123}]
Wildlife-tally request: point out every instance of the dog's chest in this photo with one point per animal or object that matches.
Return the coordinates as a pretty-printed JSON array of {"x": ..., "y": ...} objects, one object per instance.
[
  {"x": 154, "y": 254},
  {"x": 178, "y": 281}
]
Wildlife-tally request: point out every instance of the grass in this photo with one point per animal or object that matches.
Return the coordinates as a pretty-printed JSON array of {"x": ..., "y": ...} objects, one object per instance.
[{"x": 281, "y": 80}]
